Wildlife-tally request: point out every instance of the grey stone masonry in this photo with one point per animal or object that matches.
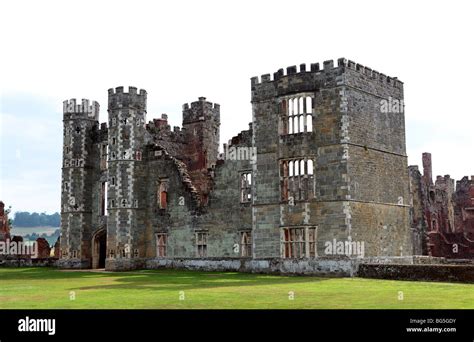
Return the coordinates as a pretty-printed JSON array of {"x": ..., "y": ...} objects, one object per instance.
[
  {"x": 79, "y": 172},
  {"x": 322, "y": 163}
]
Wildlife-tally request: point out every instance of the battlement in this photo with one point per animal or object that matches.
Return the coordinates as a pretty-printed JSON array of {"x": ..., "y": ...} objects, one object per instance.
[
  {"x": 91, "y": 109},
  {"x": 466, "y": 180},
  {"x": 131, "y": 91},
  {"x": 327, "y": 67},
  {"x": 200, "y": 103},
  {"x": 443, "y": 179},
  {"x": 133, "y": 98},
  {"x": 200, "y": 110}
]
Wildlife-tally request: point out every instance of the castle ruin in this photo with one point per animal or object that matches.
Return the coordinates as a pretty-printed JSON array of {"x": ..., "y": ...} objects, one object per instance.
[
  {"x": 322, "y": 161},
  {"x": 442, "y": 213}
]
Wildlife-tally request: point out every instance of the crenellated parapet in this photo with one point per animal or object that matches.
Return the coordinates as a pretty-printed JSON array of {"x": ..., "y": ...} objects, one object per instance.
[
  {"x": 445, "y": 183},
  {"x": 200, "y": 110},
  {"x": 370, "y": 73},
  {"x": 328, "y": 68},
  {"x": 328, "y": 75},
  {"x": 133, "y": 98}
]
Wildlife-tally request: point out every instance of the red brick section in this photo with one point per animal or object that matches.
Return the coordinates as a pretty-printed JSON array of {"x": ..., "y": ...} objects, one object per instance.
[
  {"x": 4, "y": 227},
  {"x": 464, "y": 208},
  {"x": 448, "y": 214},
  {"x": 43, "y": 248}
]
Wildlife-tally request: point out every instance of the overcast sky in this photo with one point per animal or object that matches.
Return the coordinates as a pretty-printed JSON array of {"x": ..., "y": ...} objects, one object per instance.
[{"x": 180, "y": 50}]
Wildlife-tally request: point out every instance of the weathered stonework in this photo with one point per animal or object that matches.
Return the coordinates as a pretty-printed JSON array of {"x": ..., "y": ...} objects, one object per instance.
[
  {"x": 329, "y": 165},
  {"x": 4, "y": 225},
  {"x": 442, "y": 215},
  {"x": 43, "y": 248}
]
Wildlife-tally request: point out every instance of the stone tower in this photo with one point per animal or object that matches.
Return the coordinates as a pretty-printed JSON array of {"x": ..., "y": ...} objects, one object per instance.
[
  {"x": 201, "y": 122},
  {"x": 78, "y": 174},
  {"x": 126, "y": 178},
  {"x": 331, "y": 161}
]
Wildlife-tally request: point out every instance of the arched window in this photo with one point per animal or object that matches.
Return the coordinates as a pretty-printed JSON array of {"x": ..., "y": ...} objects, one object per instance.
[{"x": 246, "y": 244}]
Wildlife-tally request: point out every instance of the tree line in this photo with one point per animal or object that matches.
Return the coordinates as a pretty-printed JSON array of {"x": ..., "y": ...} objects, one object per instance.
[{"x": 27, "y": 219}]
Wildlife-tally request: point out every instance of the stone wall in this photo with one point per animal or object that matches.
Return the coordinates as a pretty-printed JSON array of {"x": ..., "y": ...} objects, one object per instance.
[
  {"x": 358, "y": 151},
  {"x": 445, "y": 273},
  {"x": 321, "y": 266}
]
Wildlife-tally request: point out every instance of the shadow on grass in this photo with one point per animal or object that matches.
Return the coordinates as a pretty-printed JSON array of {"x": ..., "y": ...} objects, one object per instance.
[{"x": 158, "y": 280}]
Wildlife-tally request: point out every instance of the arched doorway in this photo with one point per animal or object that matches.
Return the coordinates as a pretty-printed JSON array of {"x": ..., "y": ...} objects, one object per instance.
[{"x": 99, "y": 248}]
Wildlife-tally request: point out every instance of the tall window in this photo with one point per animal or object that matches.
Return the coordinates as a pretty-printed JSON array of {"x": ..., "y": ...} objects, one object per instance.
[
  {"x": 297, "y": 115},
  {"x": 201, "y": 244},
  {"x": 103, "y": 157},
  {"x": 162, "y": 195},
  {"x": 161, "y": 244},
  {"x": 103, "y": 199},
  {"x": 245, "y": 187},
  {"x": 297, "y": 179},
  {"x": 245, "y": 244},
  {"x": 298, "y": 242}
]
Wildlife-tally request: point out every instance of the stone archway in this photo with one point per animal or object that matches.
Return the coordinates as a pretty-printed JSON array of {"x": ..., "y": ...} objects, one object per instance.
[{"x": 99, "y": 248}]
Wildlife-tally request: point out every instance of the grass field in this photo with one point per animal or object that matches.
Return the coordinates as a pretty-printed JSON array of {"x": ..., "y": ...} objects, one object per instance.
[{"x": 38, "y": 288}]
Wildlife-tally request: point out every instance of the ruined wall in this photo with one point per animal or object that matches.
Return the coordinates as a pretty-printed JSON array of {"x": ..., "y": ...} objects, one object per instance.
[
  {"x": 44, "y": 249},
  {"x": 320, "y": 155},
  {"x": 222, "y": 217},
  {"x": 441, "y": 213},
  {"x": 419, "y": 228},
  {"x": 4, "y": 226},
  {"x": 201, "y": 123},
  {"x": 464, "y": 207}
]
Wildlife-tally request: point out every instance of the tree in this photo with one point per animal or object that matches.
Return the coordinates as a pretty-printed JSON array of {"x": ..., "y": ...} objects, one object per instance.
[{"x": 26, "y": 219}]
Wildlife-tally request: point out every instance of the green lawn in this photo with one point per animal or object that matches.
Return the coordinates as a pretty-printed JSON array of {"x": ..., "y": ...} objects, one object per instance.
[{"x": 38, "y": 288}]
